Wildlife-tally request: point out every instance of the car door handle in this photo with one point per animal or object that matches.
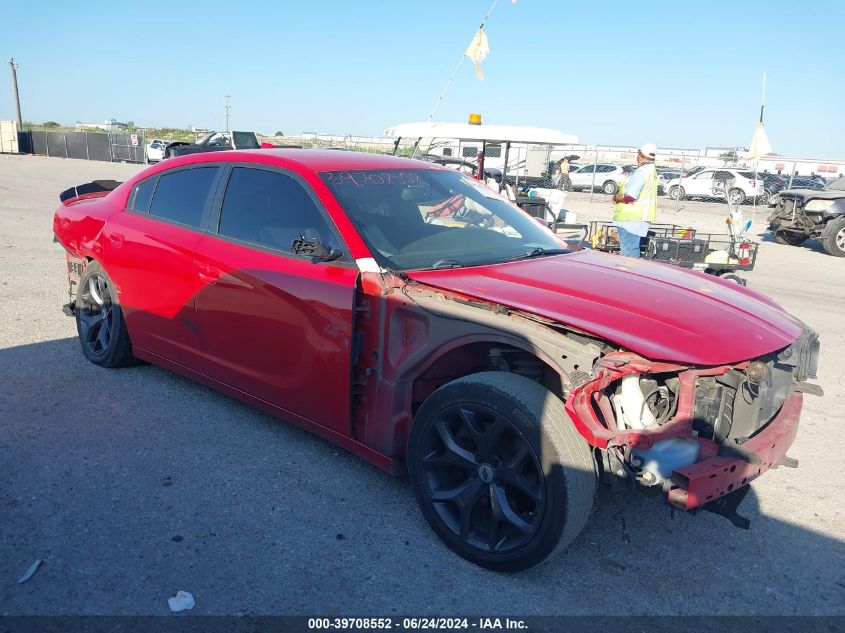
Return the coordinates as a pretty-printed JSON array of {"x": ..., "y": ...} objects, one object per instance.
[
  {"x": 208, "y": 274},
  {"x": 115, "y": 239}
]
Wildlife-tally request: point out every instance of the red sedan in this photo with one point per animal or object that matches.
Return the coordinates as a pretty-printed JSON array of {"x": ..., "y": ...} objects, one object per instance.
[{"x": 414, "y": 317}]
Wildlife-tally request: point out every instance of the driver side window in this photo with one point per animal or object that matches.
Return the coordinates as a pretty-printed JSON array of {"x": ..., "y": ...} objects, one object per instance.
[{"x": 271, "y": 209}]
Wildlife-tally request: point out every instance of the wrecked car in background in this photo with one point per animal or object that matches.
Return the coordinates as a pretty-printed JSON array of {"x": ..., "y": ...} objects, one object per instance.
[
  {"x": 803, "y": 214},
  {"x": 409, "y": 314},
  {"x": 213, "y": 142}
]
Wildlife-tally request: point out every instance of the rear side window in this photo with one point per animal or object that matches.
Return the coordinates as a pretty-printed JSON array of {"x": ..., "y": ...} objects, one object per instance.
[
  {"x": 271, "y": 209},
  {"x": 180, "y": 196},
  {"x": 141, "y": 195}
]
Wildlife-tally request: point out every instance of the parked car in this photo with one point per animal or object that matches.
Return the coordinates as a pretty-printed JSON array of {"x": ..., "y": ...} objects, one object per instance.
[
  {"x": 802, "y": 214},
  {"x": 664, "y": 176},
  {"x": 214, "y": 142},
  {"x": 712, "y": 183},
  {"x": 692, "y": 171},
  {"x": 607, "y": 179},
  {"x": 798, "y": 182},
  {"x": 400, "y": 310},
  {"x": 155, "y": 150}
]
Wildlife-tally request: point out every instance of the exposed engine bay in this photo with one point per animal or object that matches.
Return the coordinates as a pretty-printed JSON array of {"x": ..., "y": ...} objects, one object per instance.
[{"x": 660, "y": 427}]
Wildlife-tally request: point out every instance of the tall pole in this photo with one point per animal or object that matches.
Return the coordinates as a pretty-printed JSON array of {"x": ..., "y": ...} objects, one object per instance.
[
  {"x": 14, "y": 66},
  {"x": 763, "y": 98},
  {"x": 226, "y": 107}
]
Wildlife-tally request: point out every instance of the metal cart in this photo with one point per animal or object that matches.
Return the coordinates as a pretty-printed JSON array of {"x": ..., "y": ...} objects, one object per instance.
[{"x": 715, "y": 254}]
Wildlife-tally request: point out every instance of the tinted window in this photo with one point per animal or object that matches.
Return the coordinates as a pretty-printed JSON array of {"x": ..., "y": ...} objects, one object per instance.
[
  {"x": 180, "y": 196},
  {"x": 493, "y": 151},
  {"x": 469, "y": 152},
  {"x": 141, "y": 195},
  {"x": 271, "y": 209},
  {"x": 447, "y": 151},
  {"x": 838, "y": 184}
]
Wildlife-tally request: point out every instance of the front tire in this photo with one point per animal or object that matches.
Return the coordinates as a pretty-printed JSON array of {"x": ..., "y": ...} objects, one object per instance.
[
  {"x": 610, "y": 188},
  {"x": 833, "y": 238},
  {"x": 99, "y": 320},
  {"x": 499, "y": 471},
  {"x": 677, "y": 193}
]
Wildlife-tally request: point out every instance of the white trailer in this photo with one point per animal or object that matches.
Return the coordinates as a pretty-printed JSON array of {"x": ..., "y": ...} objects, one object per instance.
[{"x": 522, "y": 151}]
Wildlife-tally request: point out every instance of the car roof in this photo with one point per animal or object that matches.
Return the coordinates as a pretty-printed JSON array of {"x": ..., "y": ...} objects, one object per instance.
[{"x": 316, "y": 160}]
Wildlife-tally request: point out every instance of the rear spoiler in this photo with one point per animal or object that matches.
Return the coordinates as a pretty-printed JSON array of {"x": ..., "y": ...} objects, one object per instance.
[{"x": 95, "y": 189}]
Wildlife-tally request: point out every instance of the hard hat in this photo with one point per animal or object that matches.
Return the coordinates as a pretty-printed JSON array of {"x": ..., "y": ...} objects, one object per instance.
[{"x": 649, "y": 150}]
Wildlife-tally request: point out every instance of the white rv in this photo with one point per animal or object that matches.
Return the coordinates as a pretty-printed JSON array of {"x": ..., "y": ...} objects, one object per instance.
[{"x": 521, "y": 151}]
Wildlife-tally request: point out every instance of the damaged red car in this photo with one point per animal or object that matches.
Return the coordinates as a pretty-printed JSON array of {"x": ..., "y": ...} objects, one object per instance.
[{"x": 412, "y": 316}]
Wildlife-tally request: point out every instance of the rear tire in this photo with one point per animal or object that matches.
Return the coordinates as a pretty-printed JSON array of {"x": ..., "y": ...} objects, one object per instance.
[
  {"x": 499, "y": 470},
  {"x": 610, "y": 187},
  {"x": 833, "y": 237},
  {"x": 99, "y": 320}
]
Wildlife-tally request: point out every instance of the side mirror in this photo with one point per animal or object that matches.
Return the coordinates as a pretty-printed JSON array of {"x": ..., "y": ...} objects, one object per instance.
[{"x": 312, "y": 247}]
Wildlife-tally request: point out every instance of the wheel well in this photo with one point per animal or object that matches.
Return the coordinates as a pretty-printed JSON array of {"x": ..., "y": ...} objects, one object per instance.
[{"x": 477, "y": 357}]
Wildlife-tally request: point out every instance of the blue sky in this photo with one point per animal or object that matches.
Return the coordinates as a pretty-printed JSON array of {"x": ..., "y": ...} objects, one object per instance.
[{"x": 679, "y": 74}]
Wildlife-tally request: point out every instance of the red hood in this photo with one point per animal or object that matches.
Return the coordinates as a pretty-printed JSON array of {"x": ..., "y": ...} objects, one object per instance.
[{"x": 659, "y": 311}]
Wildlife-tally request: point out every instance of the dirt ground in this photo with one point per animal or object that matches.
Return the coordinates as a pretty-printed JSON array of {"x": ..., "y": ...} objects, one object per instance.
[{"x": 133, "y": 484}]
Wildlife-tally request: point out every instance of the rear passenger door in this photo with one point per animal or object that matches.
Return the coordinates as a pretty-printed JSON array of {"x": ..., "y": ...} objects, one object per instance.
[
  {"x": 272, "y": 323},
  {"x": 149, "y": 252}
]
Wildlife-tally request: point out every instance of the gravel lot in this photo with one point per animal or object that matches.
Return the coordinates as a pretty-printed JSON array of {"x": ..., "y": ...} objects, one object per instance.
[{"x": 133, "y": 484}]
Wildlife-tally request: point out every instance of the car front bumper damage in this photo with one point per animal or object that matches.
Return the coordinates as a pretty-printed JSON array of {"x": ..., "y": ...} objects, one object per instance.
[{"x": 718, "y": 478}]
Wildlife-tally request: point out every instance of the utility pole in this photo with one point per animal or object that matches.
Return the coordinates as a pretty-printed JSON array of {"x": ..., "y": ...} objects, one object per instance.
[
  {"x": 226, "y": 107},
  {"x": 14, "y": 66}
]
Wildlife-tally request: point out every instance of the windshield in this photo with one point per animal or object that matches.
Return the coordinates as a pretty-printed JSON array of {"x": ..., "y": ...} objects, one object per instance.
[
  {"x": 417, "y": 219},
  {"x": 838, "y": 184}
]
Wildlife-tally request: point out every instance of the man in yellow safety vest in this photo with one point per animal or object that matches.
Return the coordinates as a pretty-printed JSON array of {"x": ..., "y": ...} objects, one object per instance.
[{"x": 636, "y": 202}]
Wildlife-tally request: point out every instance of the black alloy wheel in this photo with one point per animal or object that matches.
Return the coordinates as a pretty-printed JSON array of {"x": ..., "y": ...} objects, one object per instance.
[
  {"x": 99, "y": 320},
  {"x": 483, "y": 478},
  {"x": 499, "y": 471}
]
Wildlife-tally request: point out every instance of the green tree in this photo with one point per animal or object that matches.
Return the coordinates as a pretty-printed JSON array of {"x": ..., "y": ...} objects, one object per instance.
[
  {"x": 278, "y": 133},
  {"x": 50, "y": 124}
]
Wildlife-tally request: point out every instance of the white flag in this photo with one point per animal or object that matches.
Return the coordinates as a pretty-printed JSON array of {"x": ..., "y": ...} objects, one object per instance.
[
  {"x": 760, "y": 145},
  {"x": 477, "y": 50}
]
